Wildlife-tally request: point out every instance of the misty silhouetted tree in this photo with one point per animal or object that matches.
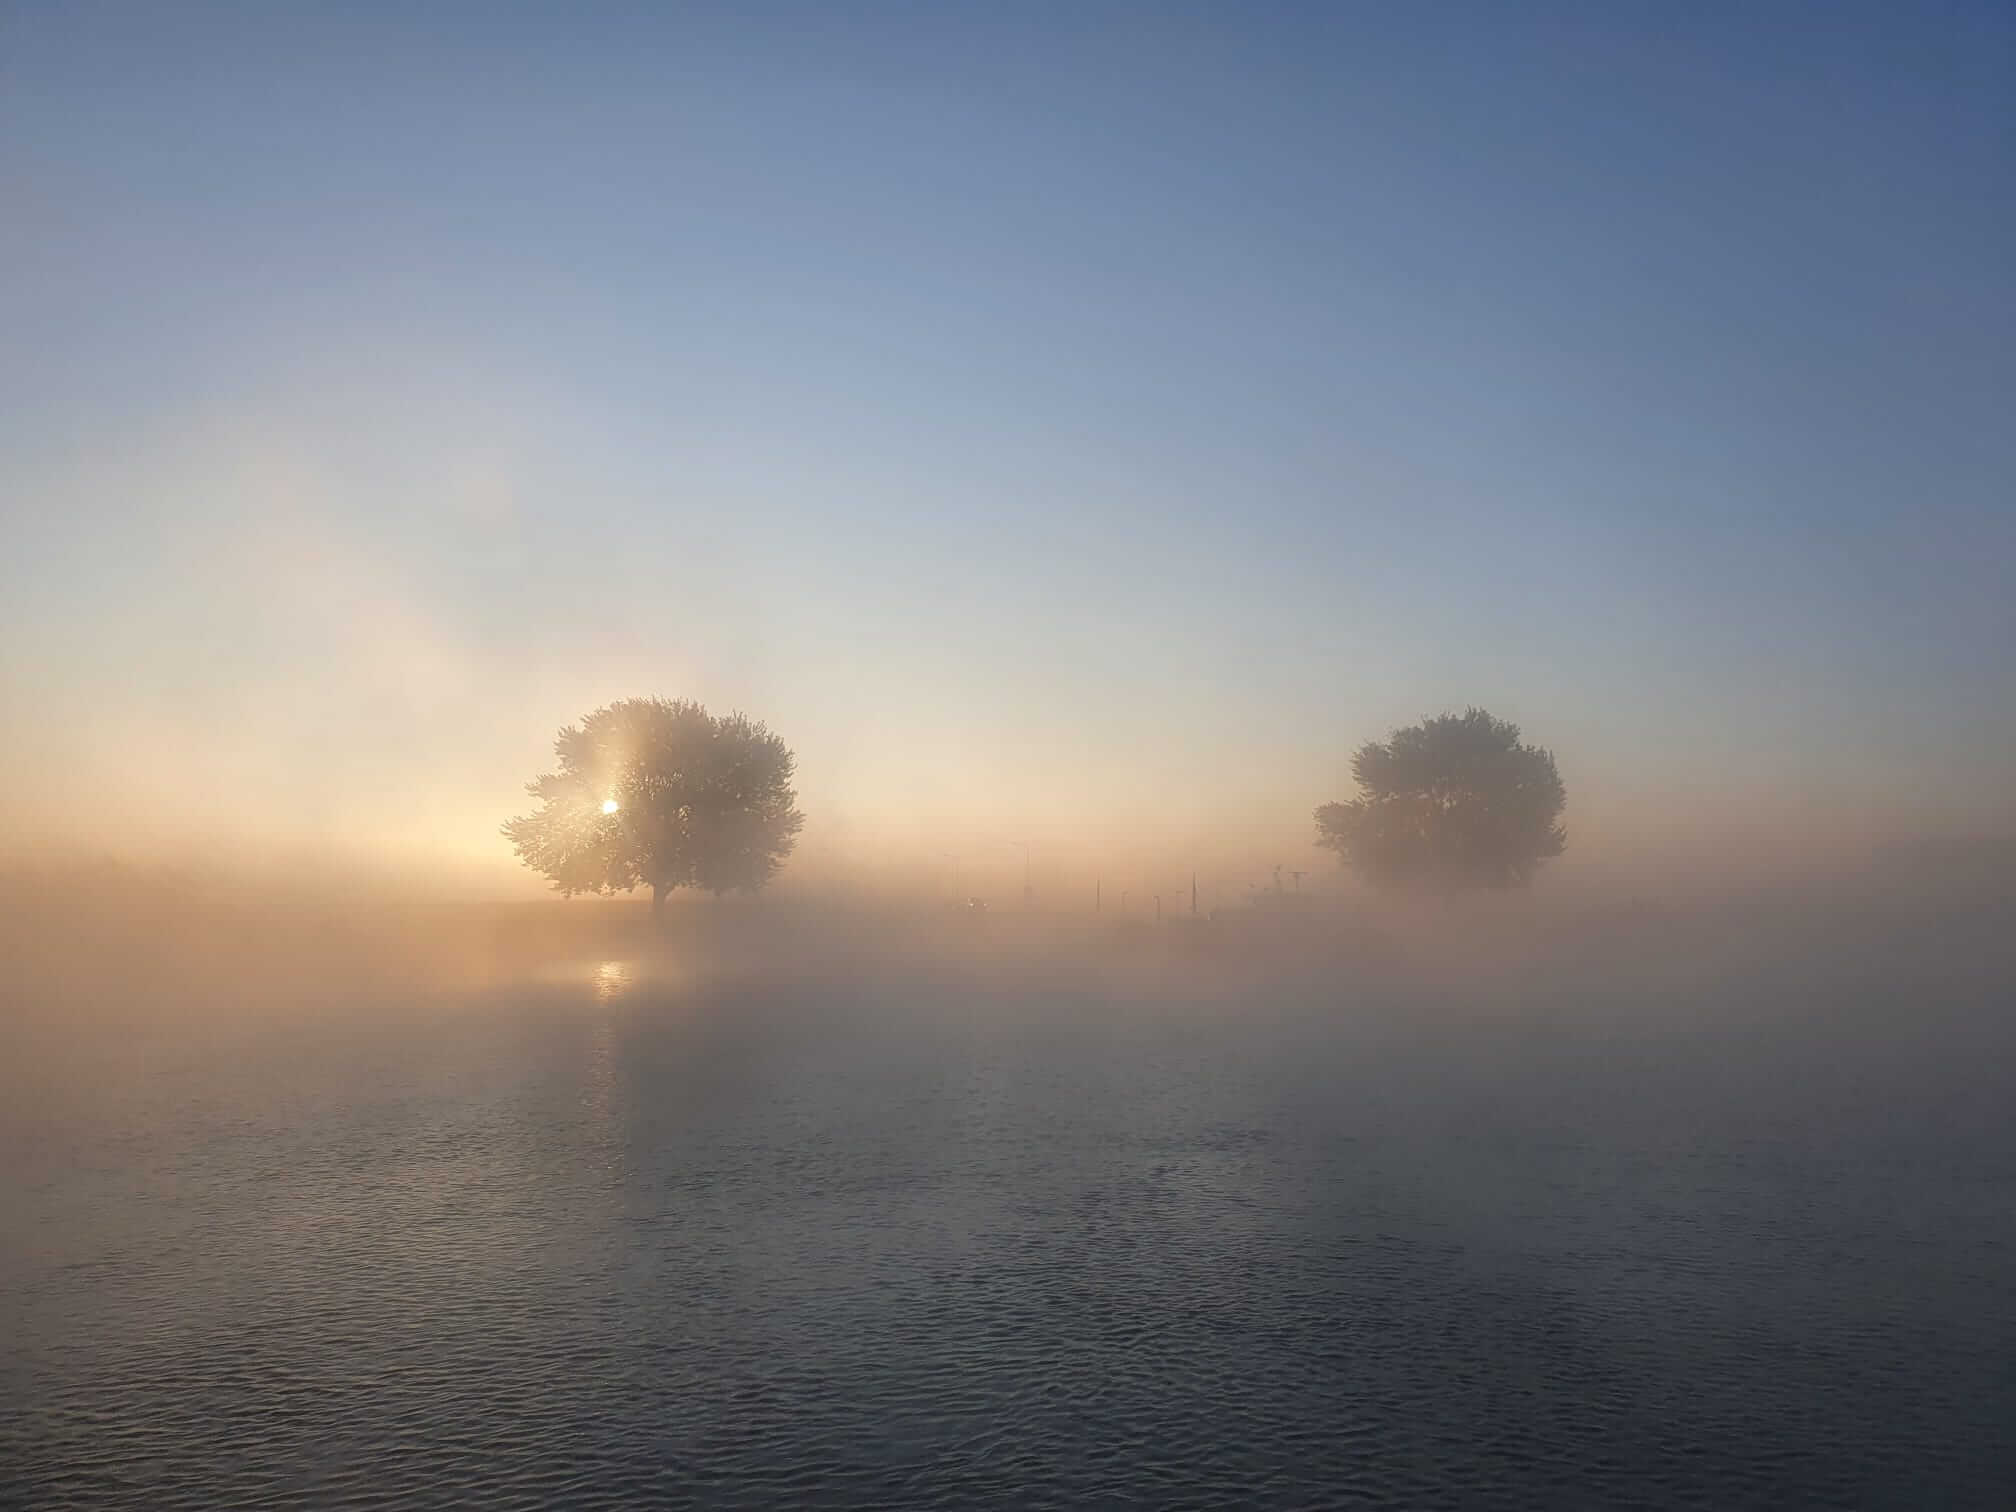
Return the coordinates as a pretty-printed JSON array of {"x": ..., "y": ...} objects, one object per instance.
[
  {"x": 1455, "y": 801},
  {"x": 659, "y": 793}
]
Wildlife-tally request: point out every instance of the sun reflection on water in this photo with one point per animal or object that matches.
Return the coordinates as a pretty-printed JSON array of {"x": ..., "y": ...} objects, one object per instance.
[{"x": 611, "y": 979}]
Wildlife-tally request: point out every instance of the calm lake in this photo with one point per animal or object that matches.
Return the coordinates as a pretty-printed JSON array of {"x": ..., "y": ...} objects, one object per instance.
[{"x": 604, "y": 1239}]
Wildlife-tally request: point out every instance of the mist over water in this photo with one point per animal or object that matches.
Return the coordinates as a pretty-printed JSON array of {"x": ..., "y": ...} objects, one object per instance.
[
  {"x": 1274, "y": 738},
  {"x": 835, "y": 1210}
]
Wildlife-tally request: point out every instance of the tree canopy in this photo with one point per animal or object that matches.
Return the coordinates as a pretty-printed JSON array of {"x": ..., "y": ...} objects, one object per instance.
[
  {"x": 659, "y": 793},
  {"x": 1455, "y": 801}
]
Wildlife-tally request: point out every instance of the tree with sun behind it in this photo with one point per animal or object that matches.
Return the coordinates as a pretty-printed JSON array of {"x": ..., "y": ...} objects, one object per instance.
[{"x": 659, "y": 793}]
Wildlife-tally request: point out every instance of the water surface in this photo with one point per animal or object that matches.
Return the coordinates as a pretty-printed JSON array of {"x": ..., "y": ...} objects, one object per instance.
[{"x": 604, "y": 1239}]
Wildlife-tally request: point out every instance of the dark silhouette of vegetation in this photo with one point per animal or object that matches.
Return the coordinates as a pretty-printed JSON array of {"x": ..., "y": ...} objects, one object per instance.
[
  {"x": 661, "y": 794},
  {"x": 1455, "y": 801}
]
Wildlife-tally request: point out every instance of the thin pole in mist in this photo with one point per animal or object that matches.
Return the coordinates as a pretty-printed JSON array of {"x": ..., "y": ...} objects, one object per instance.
[
  {"x": 1193, "y": 895},
  {"x": 1098, "y": 884},
  {"x": 1158, "y": 908}
]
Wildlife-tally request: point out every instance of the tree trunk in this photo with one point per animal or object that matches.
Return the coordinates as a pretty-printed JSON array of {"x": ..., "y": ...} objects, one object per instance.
[{"x": 658, "y": 892}]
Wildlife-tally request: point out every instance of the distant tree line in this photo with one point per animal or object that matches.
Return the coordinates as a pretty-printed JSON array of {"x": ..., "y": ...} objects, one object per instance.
[{"x": 658, "y": 793}]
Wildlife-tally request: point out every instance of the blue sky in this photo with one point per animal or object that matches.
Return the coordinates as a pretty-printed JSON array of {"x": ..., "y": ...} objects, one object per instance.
[{"x": 1096, "y": 417}]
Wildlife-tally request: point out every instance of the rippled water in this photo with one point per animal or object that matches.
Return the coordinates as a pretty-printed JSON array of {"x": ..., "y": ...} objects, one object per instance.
[{"x": 604, "y": 1242}]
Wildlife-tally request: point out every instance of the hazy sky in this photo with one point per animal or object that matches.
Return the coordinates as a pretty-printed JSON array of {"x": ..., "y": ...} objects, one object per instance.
[{"x": 1082, "y": 423}]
